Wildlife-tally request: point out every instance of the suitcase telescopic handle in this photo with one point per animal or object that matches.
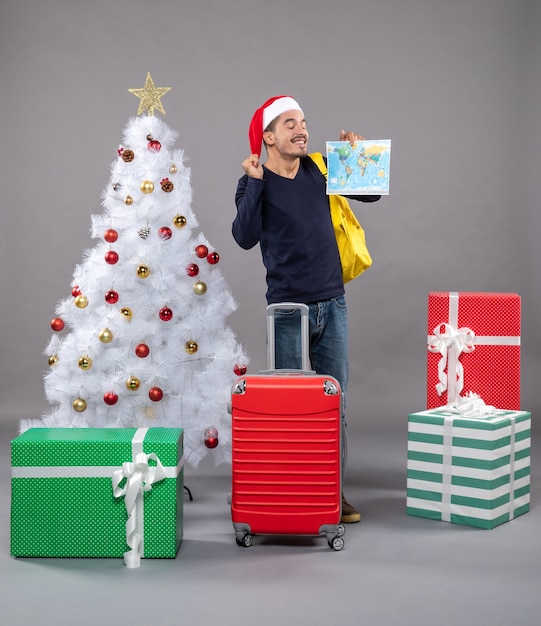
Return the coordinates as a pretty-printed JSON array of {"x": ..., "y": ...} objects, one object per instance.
[{"x": 271, "y": 327}]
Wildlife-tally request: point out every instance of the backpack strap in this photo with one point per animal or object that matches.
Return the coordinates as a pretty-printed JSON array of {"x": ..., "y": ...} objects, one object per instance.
[{"x": 317, "y": 158}]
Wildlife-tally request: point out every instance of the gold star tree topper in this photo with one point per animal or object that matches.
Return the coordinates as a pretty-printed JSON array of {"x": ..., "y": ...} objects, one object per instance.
[{"x": 150, "y": 96}]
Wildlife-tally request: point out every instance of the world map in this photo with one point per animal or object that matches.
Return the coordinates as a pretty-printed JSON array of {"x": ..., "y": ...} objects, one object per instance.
[{"x": 361, "y": 169}]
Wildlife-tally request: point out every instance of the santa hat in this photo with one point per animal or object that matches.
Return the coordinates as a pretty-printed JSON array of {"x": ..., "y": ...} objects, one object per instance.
[{"x": 264, "y": 116}]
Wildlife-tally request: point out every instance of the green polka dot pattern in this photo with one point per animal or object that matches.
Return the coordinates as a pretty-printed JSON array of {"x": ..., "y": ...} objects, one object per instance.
[{"x": 80, "y": 517}]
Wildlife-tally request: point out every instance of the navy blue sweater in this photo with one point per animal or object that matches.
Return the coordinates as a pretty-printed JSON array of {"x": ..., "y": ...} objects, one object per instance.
[{"x": 290, "y": 219}]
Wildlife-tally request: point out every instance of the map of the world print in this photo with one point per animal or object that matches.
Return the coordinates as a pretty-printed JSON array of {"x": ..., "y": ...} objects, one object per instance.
[{"x": 361, "y": 169}]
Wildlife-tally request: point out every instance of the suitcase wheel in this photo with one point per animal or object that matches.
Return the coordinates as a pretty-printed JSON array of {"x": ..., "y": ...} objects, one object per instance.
[
  {"x": 337, "y": 543},
  {"x": 245, "y": 541}
]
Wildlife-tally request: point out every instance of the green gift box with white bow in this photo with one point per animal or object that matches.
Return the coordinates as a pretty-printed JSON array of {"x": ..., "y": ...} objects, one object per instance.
[
  {"x": 468, "y": 470},
  {"x": 97, "y": 492}
]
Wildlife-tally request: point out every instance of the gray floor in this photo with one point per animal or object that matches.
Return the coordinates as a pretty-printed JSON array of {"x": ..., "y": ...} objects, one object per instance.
[{"x": 394, "y": 569}]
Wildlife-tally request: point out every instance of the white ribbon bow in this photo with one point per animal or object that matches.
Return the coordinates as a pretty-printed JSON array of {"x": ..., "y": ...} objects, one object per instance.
[
  {"x": 450, "y": 343},
  {"x": 472, "y": 405},
  {"x": 140, "y": 476}
]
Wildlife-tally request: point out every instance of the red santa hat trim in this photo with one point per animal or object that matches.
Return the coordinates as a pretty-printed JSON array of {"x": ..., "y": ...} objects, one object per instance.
[{"x": 269, "y": 111}]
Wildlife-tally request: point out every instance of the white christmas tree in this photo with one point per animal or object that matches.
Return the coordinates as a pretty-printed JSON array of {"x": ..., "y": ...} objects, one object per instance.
[{"x": 142, "y": 341}]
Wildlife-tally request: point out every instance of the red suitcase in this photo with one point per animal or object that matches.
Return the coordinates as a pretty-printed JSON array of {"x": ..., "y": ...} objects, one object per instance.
[{"x": 286, "y": 449}]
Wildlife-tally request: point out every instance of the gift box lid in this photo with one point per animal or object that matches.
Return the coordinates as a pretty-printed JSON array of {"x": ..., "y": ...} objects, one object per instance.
[
  {"x": 486, "y": 313},
  {"x": 498, "y": 420},
  {"x": 39, "y": 447}
]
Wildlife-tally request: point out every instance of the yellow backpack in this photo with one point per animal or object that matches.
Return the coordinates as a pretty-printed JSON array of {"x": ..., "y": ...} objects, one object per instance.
[{"x": 350, "y": 236}]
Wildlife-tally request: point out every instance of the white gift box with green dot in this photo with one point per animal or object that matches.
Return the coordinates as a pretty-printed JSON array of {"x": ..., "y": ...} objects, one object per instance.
[
  {"x": 97, "y": 492},
  {"x": 468, "y": 470}
]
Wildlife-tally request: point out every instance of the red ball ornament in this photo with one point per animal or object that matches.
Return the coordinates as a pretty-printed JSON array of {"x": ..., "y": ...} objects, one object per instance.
[
  {"x": 213, "y": 258},
  {"x": 154, "y": 145},
  {"x": 240, "y": 369},
  {"x": 155, "y": 394},
  {"x": 192, "y": 269},
  {"x": 110, "y": 398},
  {"x": 166, "y": 314},
  {"x": 111, "y": 257},
  {"x": 211, "y": 437},
  {"x": 57, "y": 324},
  {"x": 76, "y": 291},
  {"x": 110, "y": 235},
  {"x": 111, "y": 296},
  {"x": 142, "y": 350},
  {"x": 201, "y": 251},
  {"x": 165, "y": 232}
]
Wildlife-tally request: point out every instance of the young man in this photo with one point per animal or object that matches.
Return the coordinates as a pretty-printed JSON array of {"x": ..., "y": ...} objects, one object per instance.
[{"x": 283, "y": 206}]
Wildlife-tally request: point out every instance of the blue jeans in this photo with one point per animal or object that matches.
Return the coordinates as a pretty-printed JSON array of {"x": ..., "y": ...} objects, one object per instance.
[{"x": 328, "y": 339}]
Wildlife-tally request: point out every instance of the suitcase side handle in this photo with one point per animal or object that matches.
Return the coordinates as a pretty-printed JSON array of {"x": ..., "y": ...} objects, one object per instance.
[{"x": 271, "y": 350}]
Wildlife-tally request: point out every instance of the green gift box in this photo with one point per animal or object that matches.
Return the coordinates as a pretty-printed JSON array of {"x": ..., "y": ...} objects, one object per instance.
[
  {"x": 468, "y": 470},
  {"x": 97, "y": 492}
]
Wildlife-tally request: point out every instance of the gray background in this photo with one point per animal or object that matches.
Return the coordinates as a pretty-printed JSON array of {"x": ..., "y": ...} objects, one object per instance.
[{"x": 455, "y": 85}]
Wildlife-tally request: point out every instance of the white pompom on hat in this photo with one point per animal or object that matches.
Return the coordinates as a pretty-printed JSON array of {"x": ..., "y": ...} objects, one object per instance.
[{"x": 269, "y": 111}]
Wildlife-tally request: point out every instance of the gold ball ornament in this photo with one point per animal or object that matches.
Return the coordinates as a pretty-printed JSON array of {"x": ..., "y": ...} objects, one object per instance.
[
  {"x": 179, "y": 221},
  {"x": 200, "y": 288},
  {"x": 79, "y": 405},
  {"x": 143, "y": 271},
  {"x": 133, "y": 383},
  {"x": 126, "y": 313},
  {"x": 81, "y": 302},
  {"x": 105, "y": 335},
  {"x": 173, "y": 169},
  {"x": 128, "y": 200},
  {"x": 147, "y": 186},
  {"x": 85, "y": 362},
  {"x": 53, "y": 360},
  {"x": 191, "y": 347}
]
